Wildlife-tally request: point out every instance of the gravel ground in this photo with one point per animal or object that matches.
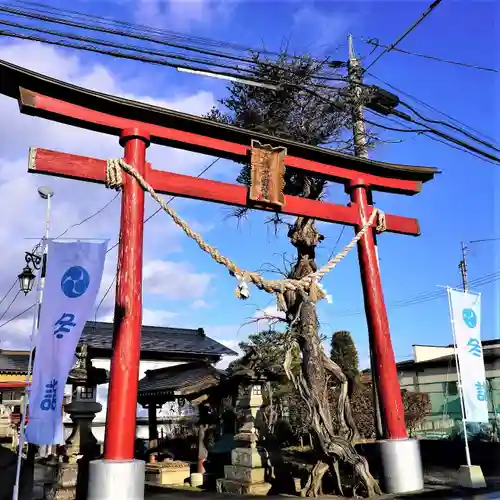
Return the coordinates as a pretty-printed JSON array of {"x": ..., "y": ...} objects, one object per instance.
[{"x": 440, "y": 483}]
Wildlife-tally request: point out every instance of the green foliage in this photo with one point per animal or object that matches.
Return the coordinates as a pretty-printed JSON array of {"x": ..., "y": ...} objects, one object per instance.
[
  {"x": 416, "y": 405},
  {"x": 270, "y": 347},
  {"x": 302, "y": 109},
  {"x": 344, "y": 353}
]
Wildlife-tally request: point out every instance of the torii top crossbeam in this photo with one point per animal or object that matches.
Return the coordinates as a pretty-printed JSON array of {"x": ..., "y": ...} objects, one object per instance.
[
  {"x": 137, "y": 125},
  {"x": 184, "y": 131}
]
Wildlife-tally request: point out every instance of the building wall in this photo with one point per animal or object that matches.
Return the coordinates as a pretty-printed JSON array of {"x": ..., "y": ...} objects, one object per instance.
[
  {"x": 427, "y": 352},
  {"x": 102, "y": 390},
  {"x": 440, "y": 383}
]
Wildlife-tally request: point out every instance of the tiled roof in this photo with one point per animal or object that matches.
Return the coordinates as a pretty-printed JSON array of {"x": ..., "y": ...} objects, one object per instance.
[
  {"x": 155, "y": 339},
  {"x": 179, "y": 380},
  {"x": 14, "y": 362}
]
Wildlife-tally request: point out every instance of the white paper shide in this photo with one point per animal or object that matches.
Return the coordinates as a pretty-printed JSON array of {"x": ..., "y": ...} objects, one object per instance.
[{"x": 73, "y": 277}]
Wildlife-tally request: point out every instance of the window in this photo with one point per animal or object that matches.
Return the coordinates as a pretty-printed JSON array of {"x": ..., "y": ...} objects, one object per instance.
[
  {"x": 11, "y": 396},
  {"x": 451, "y": 388},
  {"x": 87, "y": 393}
]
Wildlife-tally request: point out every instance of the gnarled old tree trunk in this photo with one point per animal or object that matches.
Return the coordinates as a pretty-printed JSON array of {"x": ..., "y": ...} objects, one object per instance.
[{"x": 317, "y": 370}]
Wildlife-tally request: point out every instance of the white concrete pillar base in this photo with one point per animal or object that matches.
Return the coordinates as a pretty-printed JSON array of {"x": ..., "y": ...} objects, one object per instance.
[
  {"x": 116, "y": 479},
  {"x": 402, "y": 465},
  {"x": 197, "y": 479},
  {"x": 471, "y": 477}
]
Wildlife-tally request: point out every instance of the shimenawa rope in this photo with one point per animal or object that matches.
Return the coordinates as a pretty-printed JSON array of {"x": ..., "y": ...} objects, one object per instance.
[{"x": 309, "y": 283}]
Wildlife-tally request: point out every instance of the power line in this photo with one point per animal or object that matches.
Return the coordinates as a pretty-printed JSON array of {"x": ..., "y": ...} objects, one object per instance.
[
  {"x": 434, "y": 58},
  {"x": 89, "y": 217},
  {"x": 147, "y": 219},
  {"x": 429, "y": 136},
  {"x": 17, "y": 315},
  {"x": 433, "y": 108},
  {"x": 8, "y": 291},
  {"x": 166, "y": 63},
  {"x": 10, "y": 305},
  {"x": 438, "y": 133},
  {"x": 203, "y": 41},
  {"x": 429, "y": 296},
  {"x": 440, "y": 122},
  {"x": 122, "y": 46},
  {"x": 137, "y": 33},
  {"x": 425, "y": 130},
  {"x": 150, "y": 60},
  {"x": 432, "y": 6}
]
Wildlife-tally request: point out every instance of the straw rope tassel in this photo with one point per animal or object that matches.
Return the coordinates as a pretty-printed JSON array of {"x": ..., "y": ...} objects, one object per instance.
[{"x": 309, "y": 283}]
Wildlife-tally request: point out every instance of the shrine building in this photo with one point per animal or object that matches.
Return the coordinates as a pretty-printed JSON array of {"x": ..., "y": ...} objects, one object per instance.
[{"x": 160, "y": 347}]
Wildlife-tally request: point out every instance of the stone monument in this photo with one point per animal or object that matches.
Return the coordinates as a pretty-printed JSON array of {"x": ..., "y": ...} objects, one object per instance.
[
  {"x": 249, "y": 462},
  {"x": 81, "y": 446}
]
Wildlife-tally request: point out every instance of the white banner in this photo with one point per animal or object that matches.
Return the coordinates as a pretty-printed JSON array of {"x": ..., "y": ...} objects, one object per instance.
[
  {"x": 73, "y": 277},
  {"x": 466, "y": 323}
]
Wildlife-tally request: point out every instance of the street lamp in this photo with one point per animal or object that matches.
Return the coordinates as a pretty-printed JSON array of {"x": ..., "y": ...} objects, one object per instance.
[
  {"x": 26, "y": 280},
  {"x": 33, "y": 259}
]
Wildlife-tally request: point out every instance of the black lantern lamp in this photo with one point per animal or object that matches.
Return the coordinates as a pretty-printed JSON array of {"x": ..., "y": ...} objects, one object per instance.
[{"x": 27, "y": 278}]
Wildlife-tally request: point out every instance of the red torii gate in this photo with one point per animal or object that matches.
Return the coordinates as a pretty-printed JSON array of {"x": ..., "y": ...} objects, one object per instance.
[{"x": 137, "y": 125}]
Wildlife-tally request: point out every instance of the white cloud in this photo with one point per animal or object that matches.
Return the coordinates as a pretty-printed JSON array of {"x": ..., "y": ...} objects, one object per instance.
[
  {"x": 183, "y": 15},
  {"x": 160, "y": 317},
  {"x": 199, "y": 304},
  {"x": 174, "y": 280},
  {"x": 234, "y": 345},
  {"x": 23, "y": 211},
  {"x": 323, "y": 28}
]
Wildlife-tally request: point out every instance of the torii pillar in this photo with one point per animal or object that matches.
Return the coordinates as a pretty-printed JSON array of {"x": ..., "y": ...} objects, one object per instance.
[{"x": 119, "y": 475}]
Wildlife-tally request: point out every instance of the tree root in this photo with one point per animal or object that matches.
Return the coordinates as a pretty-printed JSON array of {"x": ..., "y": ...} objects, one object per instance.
[
  {"x": 312, "y": 385},
  {"x": 313, "y": 486}
]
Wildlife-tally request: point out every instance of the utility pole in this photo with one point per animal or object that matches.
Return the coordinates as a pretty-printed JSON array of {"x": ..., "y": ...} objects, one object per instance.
[
  {"x": 463, "y": 268},
  {"x": 361, "y": 150}
]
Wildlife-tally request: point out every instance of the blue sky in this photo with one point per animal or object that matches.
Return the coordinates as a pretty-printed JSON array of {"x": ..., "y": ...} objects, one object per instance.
[{"x": 460, "y": 204}]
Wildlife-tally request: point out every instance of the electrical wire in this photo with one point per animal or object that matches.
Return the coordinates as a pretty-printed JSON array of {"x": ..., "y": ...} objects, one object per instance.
[
  {"x": 440, "y": 122},
  {"x": 433, "y": 108},
  {"x": 128, "y": 47},
  {"x": 121, "y": 55},
  {"x": 434, "y": 58},
  {"x": 431, "y": 130},
  {"x": 89, "y": 217},
  {"x": 135, "y": 35},
  {"x": 162, "y": 62},
  {"x": 17, "y": 315},
  {"x": 10, "y": 305},
  {"x": 203, "y": 41},
  {"x": 8, "y": 291},
  {"x": 429, "y": 296},
  {"x": 436, "y": 139},
  {"x": 425, "y": 130},
  {"x": 431, "y": 7},
  {"x": 147, "y": 219}
]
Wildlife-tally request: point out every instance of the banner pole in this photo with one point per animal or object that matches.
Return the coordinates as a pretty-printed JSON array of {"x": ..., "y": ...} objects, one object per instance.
[
  {"x": 459, "y": 381},
  {"x": 36, "y": 318}
]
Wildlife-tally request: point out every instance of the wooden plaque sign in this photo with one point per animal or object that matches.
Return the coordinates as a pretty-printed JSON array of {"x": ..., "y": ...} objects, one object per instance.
[{"x": 267, "y": 180}]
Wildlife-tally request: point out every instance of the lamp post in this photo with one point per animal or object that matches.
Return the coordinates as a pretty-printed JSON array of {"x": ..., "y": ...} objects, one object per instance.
[{"x": 26, "y": 281}]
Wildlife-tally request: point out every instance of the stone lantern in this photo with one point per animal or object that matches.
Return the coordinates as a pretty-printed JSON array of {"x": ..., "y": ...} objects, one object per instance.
[
  {"x": 249, "y": 467},
  {"x": 81, "y": 447}
]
